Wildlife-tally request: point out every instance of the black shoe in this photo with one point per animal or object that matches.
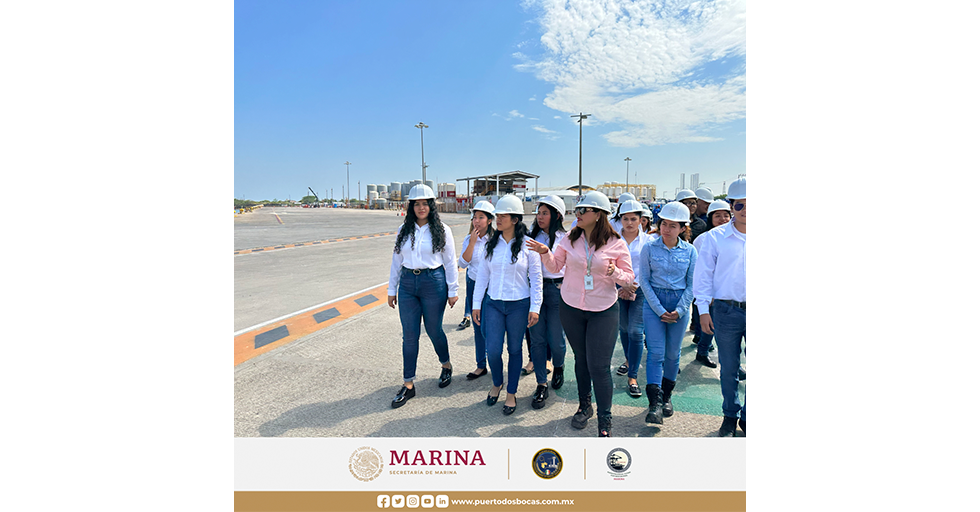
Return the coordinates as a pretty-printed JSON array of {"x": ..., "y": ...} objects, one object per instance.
[
  {"x": 558, "y": 378},
  {"x": 508, "y": 410},
  {"x": 696, "y": 339},
  {"x": 741, "y": 373},
  {"x": 464, "y": 324},
  {"x": 741, "y": 424},
  {"x": 634, "y": 391},
  {"x": 492, "y": 399},
  {"x": 472, "y": 375},
  {"x": 727, "y": 427},
  {"x": 446, "y": 377},
  {"x": 605, "y": 426},
  {"x": 581, "y": 417},
  {"x": 655, "y": 396},
  {"x": 403, "y": 395},
  {"x": 667, "y": 388},
  {"x": 525, "y": 371},
  {"x": 540, "y": 395},
  {"x": 705, "y": 360},
  {"x": 623, "y": 369}
]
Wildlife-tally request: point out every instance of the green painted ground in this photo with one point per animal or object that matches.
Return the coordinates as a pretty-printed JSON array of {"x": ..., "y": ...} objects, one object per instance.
[{"x": 698, "y": 389}]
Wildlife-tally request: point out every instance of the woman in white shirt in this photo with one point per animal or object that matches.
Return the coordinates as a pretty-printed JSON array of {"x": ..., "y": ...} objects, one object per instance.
[
  {"x": 423, "y": 278},
  {"x": 631, "y": 332},
  {"x": 510, "y": 275},
  {"x": 473, "y": 247},
  {"x": 547, "y": 334}
]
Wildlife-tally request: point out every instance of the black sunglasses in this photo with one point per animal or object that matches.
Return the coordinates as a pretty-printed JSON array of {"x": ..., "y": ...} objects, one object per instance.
[
  {"x": 583, "y": 209},
  {"x": 738, "y": 206}
]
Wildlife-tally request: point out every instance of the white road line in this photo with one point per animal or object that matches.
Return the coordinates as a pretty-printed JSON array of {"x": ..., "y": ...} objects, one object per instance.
[{"x": 311, "y": 308}]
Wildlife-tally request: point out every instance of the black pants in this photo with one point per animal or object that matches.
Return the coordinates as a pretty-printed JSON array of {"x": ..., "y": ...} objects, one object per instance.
[{"x": 592, "y": 336}]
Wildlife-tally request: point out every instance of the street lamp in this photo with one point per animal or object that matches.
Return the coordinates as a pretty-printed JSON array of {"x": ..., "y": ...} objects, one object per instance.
[
  {"x": 347, "y": 201},
  {"x": 628, "y": 160},
  {"x": 581, "y": 117},
  {"x": 421, "y": 126}
]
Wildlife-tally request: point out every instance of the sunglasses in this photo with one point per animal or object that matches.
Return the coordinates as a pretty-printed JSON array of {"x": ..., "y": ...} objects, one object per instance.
[
  {"x": 738, "y": 207},
  {"x": 581, "y": 210}
]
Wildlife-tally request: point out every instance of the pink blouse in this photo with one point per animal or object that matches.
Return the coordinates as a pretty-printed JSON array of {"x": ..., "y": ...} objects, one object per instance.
[{"x": 573, "y": 258}]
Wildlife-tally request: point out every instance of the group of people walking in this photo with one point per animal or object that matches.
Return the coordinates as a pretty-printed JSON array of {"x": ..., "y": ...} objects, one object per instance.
[{"x": 613, "y": 272}]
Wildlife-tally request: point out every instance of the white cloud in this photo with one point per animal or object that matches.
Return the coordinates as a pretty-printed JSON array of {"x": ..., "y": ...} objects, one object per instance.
[
  {"x": 533, "y": 98},
  {"x": 514, "y": 114},
  {"x": 542, "y": 129},
  {"x": 636, "y": 63}
]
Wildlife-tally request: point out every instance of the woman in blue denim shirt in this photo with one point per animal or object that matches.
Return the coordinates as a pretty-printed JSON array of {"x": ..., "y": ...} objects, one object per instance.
[{"x": 665, "y": 272}]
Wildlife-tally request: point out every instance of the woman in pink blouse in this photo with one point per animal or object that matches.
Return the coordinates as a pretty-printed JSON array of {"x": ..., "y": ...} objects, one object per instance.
[{"x": 595, "y": 260}]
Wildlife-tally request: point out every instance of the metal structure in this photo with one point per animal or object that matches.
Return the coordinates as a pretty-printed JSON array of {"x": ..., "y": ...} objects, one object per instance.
[
  {"x": 347, "y": 200},
  {"x": 421, "y": 126},
  {"x": 581, "y": 117}
]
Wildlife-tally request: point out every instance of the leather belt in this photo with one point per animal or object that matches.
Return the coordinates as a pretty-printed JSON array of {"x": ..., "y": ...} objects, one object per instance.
[
  {"x": 553, "y": 280},
  {"x": 418, "y": 271},
  {"x": 739, "y": 305}
]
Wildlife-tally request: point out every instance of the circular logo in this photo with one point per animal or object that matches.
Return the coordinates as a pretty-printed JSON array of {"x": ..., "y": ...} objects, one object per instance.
[
  {"x": 365, "y": 464},
  {"x": 546, "y": 463},
  {"x": 619, "y": 460}
]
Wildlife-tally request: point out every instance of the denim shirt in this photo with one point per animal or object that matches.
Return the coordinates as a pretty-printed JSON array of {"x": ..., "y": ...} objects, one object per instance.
[{"x": 671, "y": 269}]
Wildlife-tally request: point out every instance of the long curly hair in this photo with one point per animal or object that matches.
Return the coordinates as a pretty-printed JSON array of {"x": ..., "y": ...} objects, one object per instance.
[
  {"x": 520, "y": 232},
  {"x": 553, "y": 228},
  {"x": 435, "y": 227}
]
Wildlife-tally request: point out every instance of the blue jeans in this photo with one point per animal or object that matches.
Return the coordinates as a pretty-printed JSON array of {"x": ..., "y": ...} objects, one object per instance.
[
  {"x": 729, "y": 332},
  {"x": 663, "y": 339},
  {"x": 548, "y": 334},
  {"x": 479, "y": 331},
  {"x": 704, "y": 343},
  {"x": 505, "y": 317},
  {"x": 421, "y": 298},
  {"x": 631, "y": 331}
]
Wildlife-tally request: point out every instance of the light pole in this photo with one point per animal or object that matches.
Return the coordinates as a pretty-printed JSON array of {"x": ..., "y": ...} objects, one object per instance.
[
  {"x": 347, "y": 201},
  {"x": 421, "y": 126},
  {"x": 581, "y": 117},
  {"x": 628, "y": 160}
]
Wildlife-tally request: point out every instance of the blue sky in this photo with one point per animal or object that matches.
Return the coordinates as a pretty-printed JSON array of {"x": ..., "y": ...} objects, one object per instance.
[{"x": 321, "y": 83}]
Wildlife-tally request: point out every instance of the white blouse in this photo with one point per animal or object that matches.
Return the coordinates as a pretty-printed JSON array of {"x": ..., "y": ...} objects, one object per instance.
[
  {"x": 503, "y": 280},
  {"x": 543, "y": 238},
  {"x": 420, "y": 256}
]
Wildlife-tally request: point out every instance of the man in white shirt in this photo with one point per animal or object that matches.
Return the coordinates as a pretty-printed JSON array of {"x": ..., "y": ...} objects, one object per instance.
[{"x": 719, "y": 290}]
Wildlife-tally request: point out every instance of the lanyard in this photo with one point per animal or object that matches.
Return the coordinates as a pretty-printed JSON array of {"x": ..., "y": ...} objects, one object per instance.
[{"x": 588, "y": 259}]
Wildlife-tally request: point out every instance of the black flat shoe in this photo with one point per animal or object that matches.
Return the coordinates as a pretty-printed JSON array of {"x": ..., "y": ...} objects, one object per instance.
[
  {"x": 741, "y": 373},
  {"x": 508, "y": 410},
  {"x": 634, "y": 391},
  {"x": 525, "y": 371},
  {"x": 623, "y": 369},
  {"x": 472, "y": 375},
  {"x": 464, "y": 324},
  {"x": 540, "y": 395},
  {"x": 446, "y": 377},
  {"x": 403, "y": 395},
  {"x": 558, "y": 378},
  {"x": 705, "y": 360},
  {"x": 492, "y": 399}
]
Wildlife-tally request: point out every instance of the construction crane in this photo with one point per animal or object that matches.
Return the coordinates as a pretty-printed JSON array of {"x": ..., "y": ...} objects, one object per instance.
[{"x": 317, "y": 203}]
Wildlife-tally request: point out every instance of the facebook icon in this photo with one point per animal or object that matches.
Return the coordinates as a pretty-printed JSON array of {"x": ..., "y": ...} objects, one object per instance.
[{"x": 384, "y": 501}]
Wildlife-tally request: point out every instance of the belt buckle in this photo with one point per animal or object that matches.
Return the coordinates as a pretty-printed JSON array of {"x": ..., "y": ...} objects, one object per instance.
[{"x": 416, "y": 271}]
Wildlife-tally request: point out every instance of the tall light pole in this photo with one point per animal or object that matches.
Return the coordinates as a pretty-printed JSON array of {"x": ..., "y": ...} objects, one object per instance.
[
  {"x": 628, "y": 160},
  {"x": 421, "y": 126},
  {"x": 347, "y": 201},
  {"x": 581, "y": 117}
]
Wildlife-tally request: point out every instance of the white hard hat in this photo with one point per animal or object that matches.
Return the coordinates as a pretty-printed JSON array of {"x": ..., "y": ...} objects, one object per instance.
[
  {"x": 630, "y": 206},
  {"x": 595, "y": 199},
  {"x": 555, "y": 202},
  {"x": 705, "y": 194},
  {"x": 509, "y": 204},
  {"x": 420, "y": 192},
  {"x": 685, "y": 193},
  {"x": 626, "y": 196},
  {"x": 718, "y": 204},
  {"x": 676, "y": 212},
  {"x": 647, "y": 213},
  {"x": 737, "y": 189},
  {"x": 483, "y": 206}
]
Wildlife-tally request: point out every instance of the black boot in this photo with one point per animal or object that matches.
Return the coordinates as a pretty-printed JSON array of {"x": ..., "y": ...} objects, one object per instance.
[
  {"x": 655, "y": 396},
  {"x": 605, "y": 426},
  {"x": 668, "y": 388},
  {"x": 584, "y": 413}
]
